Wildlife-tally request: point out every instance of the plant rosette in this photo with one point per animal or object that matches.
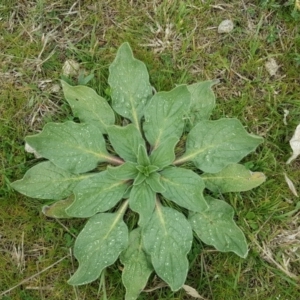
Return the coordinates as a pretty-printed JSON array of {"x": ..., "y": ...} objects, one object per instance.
[{"x": 158, "y": 166}]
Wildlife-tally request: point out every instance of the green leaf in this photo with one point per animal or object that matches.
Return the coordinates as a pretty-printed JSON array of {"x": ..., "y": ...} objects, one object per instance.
[
  {"x": 155, "y": 183},
  {"x": 88, "y": 106},
  {"x": 164, "y": 154},
  {"x": 233, "y": 178},
  {"x": 47, "y": 181},
  {"x": 98, "y": 245},
  {"x": 97, "y": 193},
  {"x": 213, "y": 145},
  {"x": 77, "y": 148},
  {"x": 164, "y": 116},
  {"x": 203, "y": 101},
  {"x": 215, "y": 226},
  {"x": 142, "y": 201},
  {"x": 139, "y": 179},
  {"x": 184, "y": 187},
  {"x": 168, "y": 238},
  {"x": 147, "y": 170},
  {"x": 125, "y": 171},
  {"x": 130, "y": 86},
  {"x": 126, "y": 141},
  {"x": 143, "y": 158},
  {"x": 137, "y": 266},
  {"x": 58, "y": 209}
]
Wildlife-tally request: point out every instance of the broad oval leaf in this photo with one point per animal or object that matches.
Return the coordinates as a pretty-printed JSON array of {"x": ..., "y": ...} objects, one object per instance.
[
  {"x": 98, "y": 245},
  {"x": 126, "y": 141},
  {"x": 213, "y": 145},
  {"x": 142, "y": 201},
  {"x": 47, "y": 181},
  {"x": 130, "y": 86},
  {"x": 203, "y": 101},
  {"x": 164, "y": 116},
  {"x": 164, "y": 154},
  {"x": 88, "y": 106},
  {"x": 184, "y": 187},
  {"x": 168, "y": 238},
  {"x": 233, "y": 178},
  {"x": 137, "y": 266},
  {"x": 215, "y": 226},
  {"x": 97, "y": 193},
  {"x": 75, "y": 147}
]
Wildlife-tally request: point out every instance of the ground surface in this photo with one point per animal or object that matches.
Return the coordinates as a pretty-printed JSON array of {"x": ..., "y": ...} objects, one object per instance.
[{"x": 179, "y": 42}]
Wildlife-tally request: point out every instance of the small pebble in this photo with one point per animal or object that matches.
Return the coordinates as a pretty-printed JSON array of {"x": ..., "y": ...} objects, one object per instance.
[
  {"x": 225, "y": 26},
  {"x": 70, "y": 67},
  {"x": 271, "y": 66}
]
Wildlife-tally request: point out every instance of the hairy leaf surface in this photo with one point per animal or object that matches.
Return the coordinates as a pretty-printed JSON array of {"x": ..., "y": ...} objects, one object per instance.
[
  {"x": 125, "y": 171},
  {"x": 203, "y": 101},
  {"x": 213, "y": 145},
  {"x": 142, "y": 201},
  {"x": 75, "y": 147},
  {"x": 126, "y": 141},
  {"x": 215, "y": 226},
  {"x": 97, "y": 193},
  {"x": 233, "y": 178},
  {"x": 88, "y": 106},
  {"x": 164, "y": 116},
  {"x": 58, "y": 209},
  {"x": 98, "y": 245},
  {"x": 168, "y": 238},
  {"x": 137, "y": 266},
  {"x": 47, "y": 181},
  {"x": 164, "y": 154},
  {"x": 143, "y": 158},
  {"x": 154, "y": 180},
  {"x": 130, "y": 86},
  {"x": 184, "y": 187}
]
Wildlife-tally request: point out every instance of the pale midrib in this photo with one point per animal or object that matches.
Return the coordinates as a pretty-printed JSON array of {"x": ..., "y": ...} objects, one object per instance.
[{"x": 119, "y": 213}]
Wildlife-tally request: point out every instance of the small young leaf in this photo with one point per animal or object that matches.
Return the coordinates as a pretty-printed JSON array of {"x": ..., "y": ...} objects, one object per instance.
[
  {"x": 130, "y": 86},
  {"x": 137, "y": 266},
  {"x": 203, "y": 101},
  {"x": 143, "y": 158},
  {"x": 155, "y": 183},
  {"x": 147, "y": 170},
  {"x": 215, "y": 226},
  {"x": 74, "y": 147},
  {"x": 142, "y": 201},
  {"x": 97, "y": 193},
  {"x": 98, "y": 245},
  {"x": 88, "y": 106},
  {"x": 47, "y": 181},
  {"x": 213, "y": 145},
  {"x": 126, "y": 141},
  {"x": 125, "y": 171},
  {"x": 184, "y": 187},
  {"x": 58, "y": 209},
  {"x": 168, "y": 238},
  {"x": 140, "y": 178},
  {"x": 233, "y": 178},
  {"x": 164, "y": 115},
  {"x": 164, "y": 154}
]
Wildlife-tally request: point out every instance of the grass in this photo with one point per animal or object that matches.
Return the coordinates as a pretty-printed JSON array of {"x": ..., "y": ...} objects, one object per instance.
[{"x": 179, "y": 43}]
